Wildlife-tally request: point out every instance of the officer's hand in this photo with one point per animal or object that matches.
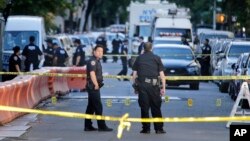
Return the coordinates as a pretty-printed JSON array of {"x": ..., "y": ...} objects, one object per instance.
[
  {"x": 163, "y": 91},
  {"x": 96, "y": 87}
]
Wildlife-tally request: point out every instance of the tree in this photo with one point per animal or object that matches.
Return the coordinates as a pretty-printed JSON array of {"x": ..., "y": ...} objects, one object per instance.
[{"x": 45, "y": 8}]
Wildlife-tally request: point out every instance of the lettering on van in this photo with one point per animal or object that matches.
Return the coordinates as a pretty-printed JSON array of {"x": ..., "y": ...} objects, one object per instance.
[{"x": 147, "y": 15}]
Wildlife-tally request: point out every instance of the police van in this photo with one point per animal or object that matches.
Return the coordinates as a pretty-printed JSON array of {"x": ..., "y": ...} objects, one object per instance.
[
  {"x": 172, "y": 23},
  {"x": 17, "y": 32}
]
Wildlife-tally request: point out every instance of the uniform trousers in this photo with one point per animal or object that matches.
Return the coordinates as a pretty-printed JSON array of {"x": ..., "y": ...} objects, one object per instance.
[
  {"x": 149, "y": 98},
  {"x": 94, "y": 107}
]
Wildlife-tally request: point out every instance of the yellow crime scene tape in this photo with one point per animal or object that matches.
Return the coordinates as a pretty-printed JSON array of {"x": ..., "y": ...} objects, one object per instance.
[
  {"x": 171, "y": 78},
  {"x": 125, "y": 121}
]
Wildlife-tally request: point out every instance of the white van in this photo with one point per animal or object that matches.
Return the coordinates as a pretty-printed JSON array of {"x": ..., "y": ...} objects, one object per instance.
[
  {"x": 17, "y": 32},
  {"x": 168, "y": 24}
]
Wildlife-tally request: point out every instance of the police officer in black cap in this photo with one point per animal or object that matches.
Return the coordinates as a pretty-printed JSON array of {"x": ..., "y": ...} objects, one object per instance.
[
  {"x": 101, "y": 40},
  {"x": 94, "y": 83},
  {"x": 79, "y": 55},
  {"x": 147, "y": 70},
  {"x": 48, "y": 53},
  {"x": 124, "y": 59},
  {"x": 205, "y": 59},
  {"x": 14, "y": 62},
  {"x": 32, "y": 54},
  {"x": 60, "y": 56}
]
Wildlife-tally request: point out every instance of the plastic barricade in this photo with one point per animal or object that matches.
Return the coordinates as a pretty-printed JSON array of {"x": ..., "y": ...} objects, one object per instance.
[{"x": 77, "y": 82}]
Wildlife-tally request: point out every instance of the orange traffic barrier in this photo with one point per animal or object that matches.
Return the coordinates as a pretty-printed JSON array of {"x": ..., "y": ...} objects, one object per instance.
[
  {"x": 26, "y": 91},
  {"x": 77, "y": 82}
]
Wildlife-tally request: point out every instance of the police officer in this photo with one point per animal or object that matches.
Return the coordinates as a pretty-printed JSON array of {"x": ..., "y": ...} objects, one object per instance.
[
  {"x": 205, "y": 59},
  {"x": 116, "y": 43},
  {"x": 124, "y": 52},
  {"x": 94, "y": 83},
  {"x": 79, "y": 55},
  {"x": 32, "y": 54},
  {"x": 141, "y": 46},
  {"x": 60, "y": 56},
  {"x": 184, "y": 40},
  {"x": 14, "y": 62},
  {"x": 48, "y": 53},
  {"x": 101, "y": 40},
  {"x": 146, "y": 71}
]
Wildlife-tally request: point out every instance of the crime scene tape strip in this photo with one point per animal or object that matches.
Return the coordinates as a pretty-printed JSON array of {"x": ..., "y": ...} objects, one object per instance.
[
  {"x": 171, "y": 78},
  {"x": 125, "y": 121}
]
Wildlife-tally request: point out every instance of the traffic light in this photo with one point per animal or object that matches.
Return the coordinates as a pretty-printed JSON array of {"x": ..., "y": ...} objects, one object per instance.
[{"x": 221, "y": 18}]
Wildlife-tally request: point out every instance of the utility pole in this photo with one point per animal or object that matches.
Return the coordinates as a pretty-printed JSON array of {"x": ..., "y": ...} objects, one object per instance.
[{"x": 214, "y": 15}]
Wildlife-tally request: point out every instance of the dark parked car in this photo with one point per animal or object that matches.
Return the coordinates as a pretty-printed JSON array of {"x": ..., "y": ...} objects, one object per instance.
[{"x": 178, "y": 60}]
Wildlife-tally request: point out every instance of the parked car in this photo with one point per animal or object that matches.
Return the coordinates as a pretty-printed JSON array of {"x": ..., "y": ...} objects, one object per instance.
[
  {"x": 178, "y": 60},
  {"x": 230, "y": 56},
  {"x": 239, "y": 68}
]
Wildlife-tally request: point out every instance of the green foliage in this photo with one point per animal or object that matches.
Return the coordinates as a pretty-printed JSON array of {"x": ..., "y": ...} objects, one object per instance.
[{"x": 45, "y": 8}]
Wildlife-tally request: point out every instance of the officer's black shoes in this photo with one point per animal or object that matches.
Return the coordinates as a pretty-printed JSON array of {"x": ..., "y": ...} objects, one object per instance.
[
  {"x": 106, "y": 129},
  {"x": 126, "y": 79},
  {"x": 91, "y": 128},
  {"x": 160, "y": 131},
  {"x": 144, "y": 131}
]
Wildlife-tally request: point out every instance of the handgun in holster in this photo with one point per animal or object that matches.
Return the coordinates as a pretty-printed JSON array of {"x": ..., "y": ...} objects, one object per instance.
[{"x": 135, "y": 86}]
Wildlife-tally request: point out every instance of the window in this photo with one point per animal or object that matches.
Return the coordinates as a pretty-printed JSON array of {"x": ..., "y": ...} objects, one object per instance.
[{"x": 19, "y": 38}]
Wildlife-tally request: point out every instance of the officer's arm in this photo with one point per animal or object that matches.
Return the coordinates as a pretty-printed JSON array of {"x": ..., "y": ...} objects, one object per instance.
[
  {"x": 78, "y": 58},
  {"x": 93, "y": 78},
  {"x": 17, "y": 68},
  {"x": 163, "y": 81},
  {"x": 54, "y": 61},
  {"x": 134, "y": 76}
]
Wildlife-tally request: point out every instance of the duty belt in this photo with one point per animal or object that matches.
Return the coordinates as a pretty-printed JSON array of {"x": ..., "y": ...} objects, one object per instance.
[{"x": 153, "y": 81}]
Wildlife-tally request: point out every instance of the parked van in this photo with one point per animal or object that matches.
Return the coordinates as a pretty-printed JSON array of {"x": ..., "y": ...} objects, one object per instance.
[
  {"x": 17, "y": 32},
  {"x": 172, "y": 23}
]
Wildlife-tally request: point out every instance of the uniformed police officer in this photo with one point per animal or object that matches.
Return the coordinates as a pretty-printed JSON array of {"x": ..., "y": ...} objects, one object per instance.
[
  {"x": 32, "y": 54},
  {"x": 14, "y": 62},
  {"x": 94, "y": 83},
  {"x": 116, "y": 43},
  {"x": 79, "y": 55},
  {"x": 141, "y": 46},
  {"x": 205, "y": 60},
  {"x": 60, "y": 56},
  {"x": 124, "y": 52},
  {"x": 48, "y": 53},
  {"x": 146, "y": 71},
  {"x": 101, "y": 40}
]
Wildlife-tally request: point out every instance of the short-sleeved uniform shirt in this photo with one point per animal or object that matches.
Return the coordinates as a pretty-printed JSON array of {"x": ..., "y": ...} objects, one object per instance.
[
  {"x": 13, "y": 61},
  {"x": 148, "y": 65},
  {"x": 79, "y": 52},
  {"x": 94, "y": 65},
  {"x": 31, "y": 52},
  {"x": 61, "y": 55},
  {"x": 48, "y": 60}
]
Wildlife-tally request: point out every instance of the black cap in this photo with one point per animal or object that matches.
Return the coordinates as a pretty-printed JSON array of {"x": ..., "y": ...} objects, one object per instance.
[
  {"x": 49, "y": 41},
  {"x": 16, "y": 48},
  {"x": 77, "y": 41}
]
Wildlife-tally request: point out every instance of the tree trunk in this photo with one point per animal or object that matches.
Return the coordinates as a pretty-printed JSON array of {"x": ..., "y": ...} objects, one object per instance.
[{"x": 91, "y": 4}]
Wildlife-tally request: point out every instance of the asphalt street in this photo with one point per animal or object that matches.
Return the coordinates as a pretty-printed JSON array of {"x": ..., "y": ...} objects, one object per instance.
[{"x": 205, "y": 103}]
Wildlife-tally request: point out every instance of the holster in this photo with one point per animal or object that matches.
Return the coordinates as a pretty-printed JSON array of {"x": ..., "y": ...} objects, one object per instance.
[
  {"x": 135, "y": 86},
  {"x": 90, "y": 85}
]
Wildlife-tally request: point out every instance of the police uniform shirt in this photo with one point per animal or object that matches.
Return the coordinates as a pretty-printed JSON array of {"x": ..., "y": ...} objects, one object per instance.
[
  {"x": 101, "y": 41},
  {"x": 124, "y": 48},
  {"x": 61, "y": 55},
  {"x": 31, "y": 52},
  {"x": 79, "y": 52},
  {"x": 206, "y": 51},
  {"x": 49, "y": 51},
  {"x": 13, "y": 61},
  {"x": 94, "y": 65},
  {"x": 140, "y": 48},
  {"x": 116, "y": 43},
  {"x": 148, "y": 65}
]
